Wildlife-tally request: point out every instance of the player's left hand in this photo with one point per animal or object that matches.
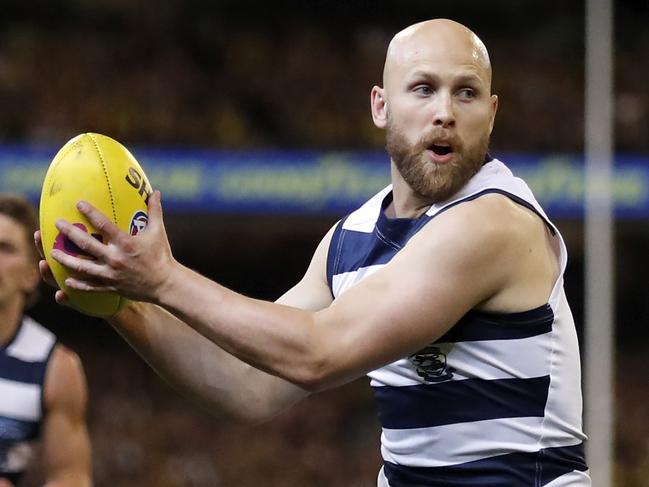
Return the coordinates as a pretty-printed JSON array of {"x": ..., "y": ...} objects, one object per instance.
[{"x": 136, "y": 267}]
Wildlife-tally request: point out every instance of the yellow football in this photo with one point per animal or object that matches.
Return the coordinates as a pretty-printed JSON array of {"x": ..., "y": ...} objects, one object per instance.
[{"x": 101, "y": 171}]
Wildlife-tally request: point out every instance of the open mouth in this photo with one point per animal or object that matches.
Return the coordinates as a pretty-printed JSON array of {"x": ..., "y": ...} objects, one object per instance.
[{"x": 441, "y": 150}]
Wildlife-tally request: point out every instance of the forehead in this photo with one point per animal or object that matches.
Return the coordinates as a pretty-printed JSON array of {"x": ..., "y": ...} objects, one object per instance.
[{"x": 436, "y": 54}]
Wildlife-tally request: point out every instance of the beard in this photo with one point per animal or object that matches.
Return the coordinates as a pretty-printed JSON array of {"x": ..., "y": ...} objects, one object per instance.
[{"x": 430, "y": 180}]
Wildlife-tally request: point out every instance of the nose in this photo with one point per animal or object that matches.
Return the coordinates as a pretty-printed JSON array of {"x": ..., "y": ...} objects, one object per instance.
[{"x": 443, "y": 115}]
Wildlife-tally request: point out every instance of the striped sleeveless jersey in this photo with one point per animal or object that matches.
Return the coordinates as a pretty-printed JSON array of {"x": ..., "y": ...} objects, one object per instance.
[
  {"x": 23, "y": 363},
  {"x": 496, "y": 401}
]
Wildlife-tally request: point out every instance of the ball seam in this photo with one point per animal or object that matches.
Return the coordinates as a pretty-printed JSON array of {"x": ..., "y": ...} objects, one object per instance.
[
  {"x": 112, "y": 202},
  {"x": 105, "y": 170}
]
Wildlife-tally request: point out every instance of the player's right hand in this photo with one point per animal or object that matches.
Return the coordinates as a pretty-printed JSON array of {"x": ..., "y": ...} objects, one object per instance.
[
  {"x": 6, "y": 483},
  {"x": 136, "y": 267}
]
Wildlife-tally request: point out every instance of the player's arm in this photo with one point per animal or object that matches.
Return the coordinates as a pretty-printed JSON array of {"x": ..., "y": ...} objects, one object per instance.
[
  {"x": 201, "y": 370},
  {"x": 458, "y": 261},
  {"x": 66, "y": 446}
]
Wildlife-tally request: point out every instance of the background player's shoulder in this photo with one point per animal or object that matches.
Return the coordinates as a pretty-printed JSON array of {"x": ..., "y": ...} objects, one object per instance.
[{"x": 32, "y": 343}]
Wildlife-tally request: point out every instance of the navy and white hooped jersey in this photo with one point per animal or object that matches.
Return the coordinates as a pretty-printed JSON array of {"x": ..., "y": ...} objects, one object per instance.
[
  {"x": 23, "y": 363},
  {"x": 497, "y": 399}
]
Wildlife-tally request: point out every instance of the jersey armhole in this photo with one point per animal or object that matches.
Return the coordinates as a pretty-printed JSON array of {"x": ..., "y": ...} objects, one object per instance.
[
  {"x": 333, "y": 254},
  {"x": 46, "y": 366}
]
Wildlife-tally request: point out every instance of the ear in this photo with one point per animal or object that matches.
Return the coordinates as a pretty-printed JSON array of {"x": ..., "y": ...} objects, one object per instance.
[
  {"x": 379, "y": 107},
  {"x": 494, "y": 109}
]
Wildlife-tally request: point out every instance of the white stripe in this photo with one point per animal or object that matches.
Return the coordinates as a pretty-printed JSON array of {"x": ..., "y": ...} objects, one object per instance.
[
  {"x": 465, "y": 442},
  {"x": 33, "y": 343},
  {"x": 490, "y": 359},
  {"x": 382, "y": 480},
  {"x": 572, "y": 479},
  {"x": 25, "y": 400},
  {"x": 341, "y": 282},
  {"x": 19, "y": 456},
  {"x": 364, "y": 218}
]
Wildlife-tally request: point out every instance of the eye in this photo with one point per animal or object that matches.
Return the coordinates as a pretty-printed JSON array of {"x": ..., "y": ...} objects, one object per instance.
[
  {"x": 467, "y": 93},
  {"x": 7, "y": 248},
  {"x": 424, "y": 90}
]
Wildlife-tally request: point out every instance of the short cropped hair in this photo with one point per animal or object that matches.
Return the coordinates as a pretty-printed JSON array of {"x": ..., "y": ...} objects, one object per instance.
[{"x": 24, "y": 214}]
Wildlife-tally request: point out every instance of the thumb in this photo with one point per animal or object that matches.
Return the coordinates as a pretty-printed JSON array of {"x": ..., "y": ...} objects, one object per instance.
[{"x": 155, "y": 211}]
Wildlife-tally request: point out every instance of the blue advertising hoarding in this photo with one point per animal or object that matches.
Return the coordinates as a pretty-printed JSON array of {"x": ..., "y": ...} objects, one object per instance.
[{"x": 313, "y": 182}]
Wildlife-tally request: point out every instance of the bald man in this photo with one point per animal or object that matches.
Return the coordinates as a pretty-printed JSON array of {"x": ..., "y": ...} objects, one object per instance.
[{"x": 445, "y": 288}]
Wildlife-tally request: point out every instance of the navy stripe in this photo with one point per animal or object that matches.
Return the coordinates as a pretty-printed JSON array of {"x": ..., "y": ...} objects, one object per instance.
[
  {"x": 460, "y": 401},
  {"x": 13, "y": 430},
  {"x": 17, "y": 370},
  {"x": 554, "y": 462},
  {"x": 512, "y": 470},
  {"x": 333, "y": 254},
  {"x": 478, "y": 325},
  {"x": 397, "y": 231},
  {"x": 354, "y": 250},
  {"x": 360, "y": 249}
]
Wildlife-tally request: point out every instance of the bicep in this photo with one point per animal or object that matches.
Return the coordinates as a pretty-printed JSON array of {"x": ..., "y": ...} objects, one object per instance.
[
  {"x": 412, "y": 301},
  {"x": 66, "y": 445},
  {"x": 312, "y": 293}
]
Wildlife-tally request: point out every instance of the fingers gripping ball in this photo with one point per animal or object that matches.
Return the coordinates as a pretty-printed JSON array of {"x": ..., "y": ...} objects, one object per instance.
[{"x": 101, "y": 171}]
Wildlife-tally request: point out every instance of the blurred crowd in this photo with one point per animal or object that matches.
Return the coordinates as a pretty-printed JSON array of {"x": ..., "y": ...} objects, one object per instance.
[
  {"x": 146, "y": 435},
  {"x": 190, "y": 73},
  {"x": 253, "y": 74}
]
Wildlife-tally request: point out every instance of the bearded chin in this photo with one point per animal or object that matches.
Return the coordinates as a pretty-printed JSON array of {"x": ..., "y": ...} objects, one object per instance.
[{"x": 433, "y": 181}]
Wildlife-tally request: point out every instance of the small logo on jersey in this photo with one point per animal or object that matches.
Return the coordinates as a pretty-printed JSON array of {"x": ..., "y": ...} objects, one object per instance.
[
  {"x": 430, "y": 364},
  {"x": 138, "y": 222}
]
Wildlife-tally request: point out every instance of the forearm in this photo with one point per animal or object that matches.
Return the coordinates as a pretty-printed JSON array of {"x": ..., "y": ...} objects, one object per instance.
[
  {"x": 198, "y": 368},
  {"x": 272, "y": 337}
]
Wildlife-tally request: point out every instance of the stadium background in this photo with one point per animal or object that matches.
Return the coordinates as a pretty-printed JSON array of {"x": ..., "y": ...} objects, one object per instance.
[{"x": 174, "y": 78}]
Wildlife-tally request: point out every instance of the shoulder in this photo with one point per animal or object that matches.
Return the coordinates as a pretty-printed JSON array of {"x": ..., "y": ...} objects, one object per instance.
[
  {"x": 476, "y": 242},
  {"x": 65, "y": 383},
  {"x": 492, "y": 223},
  {"x": 494, "y": 247},
  {"x": 32, "y": 342}
]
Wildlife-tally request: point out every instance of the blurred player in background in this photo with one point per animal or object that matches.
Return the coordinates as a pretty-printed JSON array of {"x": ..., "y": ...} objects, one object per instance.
[
  {"x": 42, "y": 384},
  {"x": 446, "y": 289}
]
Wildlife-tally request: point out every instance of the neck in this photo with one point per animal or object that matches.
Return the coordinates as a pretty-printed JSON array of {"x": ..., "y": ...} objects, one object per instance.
[
  {"x": 10, "y": 314},
  {"x": 405, "y": 202}
]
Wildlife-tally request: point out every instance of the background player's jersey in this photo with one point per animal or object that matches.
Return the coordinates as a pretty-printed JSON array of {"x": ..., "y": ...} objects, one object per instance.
[
  {"x": 23, "y": 362},
  {"x": 497, "y": 399}
]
